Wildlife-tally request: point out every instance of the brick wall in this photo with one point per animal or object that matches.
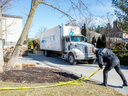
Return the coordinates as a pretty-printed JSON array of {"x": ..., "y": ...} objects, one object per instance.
[{"x": 116, "y": 32}]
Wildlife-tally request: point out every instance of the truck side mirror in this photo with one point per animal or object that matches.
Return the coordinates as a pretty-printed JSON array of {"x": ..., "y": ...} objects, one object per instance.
[{"x": 86, "y": 40}]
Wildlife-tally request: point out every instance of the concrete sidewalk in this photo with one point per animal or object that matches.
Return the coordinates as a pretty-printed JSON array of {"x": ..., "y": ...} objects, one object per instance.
[{"x": 84, "y": 69}]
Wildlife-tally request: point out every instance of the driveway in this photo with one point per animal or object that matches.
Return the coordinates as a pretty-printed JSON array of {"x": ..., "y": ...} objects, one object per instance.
[{"x": 81, "y": 69}]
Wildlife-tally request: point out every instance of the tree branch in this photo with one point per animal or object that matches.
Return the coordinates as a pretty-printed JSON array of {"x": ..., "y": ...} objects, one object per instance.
[
  {"x": 85, "y": 6},
  {"x": 5, "y": 4},
  {"x": 32, "y": 3},
  {"x": 72, "y": 19},
  {"x": 76, "y": 6},
  {"x": 101, "y": 3}
]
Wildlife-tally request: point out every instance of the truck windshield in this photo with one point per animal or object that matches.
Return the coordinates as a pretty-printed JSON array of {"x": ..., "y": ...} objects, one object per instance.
[{"x": 77, "y": 39}]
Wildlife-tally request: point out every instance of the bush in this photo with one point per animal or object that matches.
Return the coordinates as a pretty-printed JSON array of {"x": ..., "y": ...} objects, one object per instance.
[
  {"x": 120, "y": 52},
  {"x": 124, "y": 59},
  {"x": 30, "y": 50},
  {"x": 122, "y": 55},
  {"x": 123, "y": 46},
  {"x": 101, "y": 42},
  {"x": 94, "y": 40},
  {"x": 33, "y": 44},
  {"x": 103, "y": 39},
  {"x": 6, "y": 59}
]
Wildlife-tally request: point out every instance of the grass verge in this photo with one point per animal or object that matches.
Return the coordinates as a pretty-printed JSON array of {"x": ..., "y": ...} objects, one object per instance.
[{"x": 87, "y": 89}]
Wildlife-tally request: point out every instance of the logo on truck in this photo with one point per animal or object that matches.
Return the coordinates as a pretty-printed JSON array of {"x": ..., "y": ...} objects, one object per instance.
[
  {"x": 48, "y": 39},
  {"x": 43, "y": 41},
  {"x": 71, "y": 33}
]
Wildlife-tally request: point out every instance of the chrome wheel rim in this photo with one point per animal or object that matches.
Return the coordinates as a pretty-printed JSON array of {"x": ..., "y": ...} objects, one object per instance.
[{"x": 71, "y": 59}]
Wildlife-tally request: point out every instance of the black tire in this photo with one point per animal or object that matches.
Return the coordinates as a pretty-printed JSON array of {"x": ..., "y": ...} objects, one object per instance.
[
  {"x": 47, "y": 53},
  {"x": 71, "y": 59},
  {"x": 91, "y": 61}
]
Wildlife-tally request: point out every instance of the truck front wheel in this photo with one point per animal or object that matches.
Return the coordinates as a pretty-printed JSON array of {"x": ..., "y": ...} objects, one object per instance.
[
  {"x": 71, "y": 59},
  {"x": 91, "y": 61}
]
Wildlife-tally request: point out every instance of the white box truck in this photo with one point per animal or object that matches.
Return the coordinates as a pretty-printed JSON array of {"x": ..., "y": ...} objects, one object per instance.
[{"x": 67, "y": 42}]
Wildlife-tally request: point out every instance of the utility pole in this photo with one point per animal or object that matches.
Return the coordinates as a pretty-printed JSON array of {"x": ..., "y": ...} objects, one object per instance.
[{"x": 1, "y": 40}]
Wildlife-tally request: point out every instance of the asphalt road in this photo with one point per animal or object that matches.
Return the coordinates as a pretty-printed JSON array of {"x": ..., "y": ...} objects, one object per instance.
[{"x": 83, "y": 69}]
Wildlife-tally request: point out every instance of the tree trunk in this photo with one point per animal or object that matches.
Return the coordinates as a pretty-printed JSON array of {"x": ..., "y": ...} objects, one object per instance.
[
  {"x": 1, "y": 41},
  {"x": 18, "y": 46}
]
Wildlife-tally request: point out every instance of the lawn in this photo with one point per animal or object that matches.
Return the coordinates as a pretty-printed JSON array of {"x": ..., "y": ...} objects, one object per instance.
[
  {"x": 87, "y": 89},
  {"x": 33, "y": 77}
]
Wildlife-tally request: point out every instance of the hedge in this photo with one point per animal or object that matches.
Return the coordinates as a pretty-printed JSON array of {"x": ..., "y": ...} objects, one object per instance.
[
  {"x": 122, "y": 55},
  {"x": 117, "y": 51},
  {"x": 30, "y": 50},
  {"x": 123, "y": 59}
]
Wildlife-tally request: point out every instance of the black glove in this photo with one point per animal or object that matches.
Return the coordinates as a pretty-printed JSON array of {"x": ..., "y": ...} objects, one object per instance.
[{"x": 101, "y": 66}]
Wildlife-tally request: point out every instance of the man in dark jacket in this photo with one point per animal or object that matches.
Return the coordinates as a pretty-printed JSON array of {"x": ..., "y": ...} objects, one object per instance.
[{"x": 106, "y": 55}]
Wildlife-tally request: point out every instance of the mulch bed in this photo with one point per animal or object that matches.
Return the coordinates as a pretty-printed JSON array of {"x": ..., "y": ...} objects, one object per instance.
[{"x": 30, "y": 74}]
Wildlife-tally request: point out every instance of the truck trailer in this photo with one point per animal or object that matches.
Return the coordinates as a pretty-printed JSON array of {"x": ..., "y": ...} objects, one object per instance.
[{"x": 67, "y": 42}]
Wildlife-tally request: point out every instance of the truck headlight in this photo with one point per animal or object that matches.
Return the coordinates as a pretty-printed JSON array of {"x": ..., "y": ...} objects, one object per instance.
[
  {"x": 77, "y": 53},
  {"x": 74, "y": 52}
]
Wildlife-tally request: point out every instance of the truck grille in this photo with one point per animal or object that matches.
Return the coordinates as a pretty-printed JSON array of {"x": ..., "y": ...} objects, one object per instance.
[{"x": 88, "y": 49}]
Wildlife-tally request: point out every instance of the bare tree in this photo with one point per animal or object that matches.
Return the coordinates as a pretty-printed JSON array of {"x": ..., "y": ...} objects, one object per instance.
[
  {"x": 1, "y": 41},
  {"x": 77, "y": 5},
  {"x": 90, "y": 22},
  {"x": 16, "y": 51},
  {"x": 106, "y": 22},
  {"x": 42, "y": 29},
  {"x": 4, "y": 6}
]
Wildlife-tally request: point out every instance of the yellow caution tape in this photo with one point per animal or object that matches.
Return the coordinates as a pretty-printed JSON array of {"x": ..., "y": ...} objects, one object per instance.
[
  {"x": 74, "y": 82},
  {"x": 82, "y": 78}
]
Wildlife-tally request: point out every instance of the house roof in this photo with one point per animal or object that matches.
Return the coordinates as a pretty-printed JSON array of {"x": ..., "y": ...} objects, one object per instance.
[
  {"x": 121, "y": 41},
  {"x": 114, "y": 39},
  {"x": 12, "y": 16}
]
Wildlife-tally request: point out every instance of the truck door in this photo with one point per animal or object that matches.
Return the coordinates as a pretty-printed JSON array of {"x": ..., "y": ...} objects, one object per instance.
[{"x": 67, "y": 44}]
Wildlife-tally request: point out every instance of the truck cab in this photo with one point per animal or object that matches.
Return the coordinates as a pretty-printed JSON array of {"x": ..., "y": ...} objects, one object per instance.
[{"x": 76, "y": 49}]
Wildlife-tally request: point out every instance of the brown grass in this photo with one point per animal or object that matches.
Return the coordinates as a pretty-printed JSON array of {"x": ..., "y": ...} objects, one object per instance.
[
  {"x": 18, "y": 66},
  {"x": 87, "y": 89},
  {"x": 24, "y": 64}
]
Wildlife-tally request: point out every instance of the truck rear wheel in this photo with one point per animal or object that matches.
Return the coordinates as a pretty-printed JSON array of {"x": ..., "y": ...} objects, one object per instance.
[
  {"x": 47, "y": 53},
  {"x": 71, "y": 59},
  {"x": 91, "y": 61}
]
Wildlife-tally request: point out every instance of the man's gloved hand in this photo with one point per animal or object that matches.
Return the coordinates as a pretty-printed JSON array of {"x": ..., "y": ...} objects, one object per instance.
[{"x": 101, "y": 66}]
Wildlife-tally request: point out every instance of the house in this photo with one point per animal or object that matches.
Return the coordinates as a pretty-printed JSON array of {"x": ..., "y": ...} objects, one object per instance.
[
  {"x": 91, "y": 34},
  {"x": 117, "y": 32},
  {"x": 123, "y": 42},
  {"x": 11, "y": 28}
]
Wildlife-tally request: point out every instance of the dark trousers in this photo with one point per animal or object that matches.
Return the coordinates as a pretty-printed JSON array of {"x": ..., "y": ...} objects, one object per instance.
[{"x": 113, "y": 64}]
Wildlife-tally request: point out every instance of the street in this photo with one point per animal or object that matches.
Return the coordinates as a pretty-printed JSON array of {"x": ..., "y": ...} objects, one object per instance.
[{"x": 81, "y": 69}]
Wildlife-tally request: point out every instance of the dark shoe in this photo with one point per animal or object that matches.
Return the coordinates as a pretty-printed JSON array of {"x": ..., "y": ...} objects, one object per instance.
[
  {"x": 125, "y": 85},
  {"x": 103, "y": 84}
]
